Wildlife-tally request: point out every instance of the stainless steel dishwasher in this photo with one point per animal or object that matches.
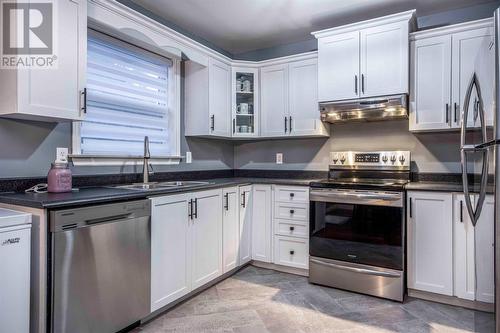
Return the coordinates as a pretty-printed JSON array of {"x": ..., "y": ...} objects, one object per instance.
[{"x": 100, "y": 269}]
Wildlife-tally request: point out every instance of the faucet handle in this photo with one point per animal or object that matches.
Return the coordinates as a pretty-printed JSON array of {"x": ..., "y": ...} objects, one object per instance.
[{"x": 150, "y": 167}]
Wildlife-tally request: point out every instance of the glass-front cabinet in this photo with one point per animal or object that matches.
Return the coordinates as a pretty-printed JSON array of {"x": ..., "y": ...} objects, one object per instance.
[{"x": 245, "y": 102}]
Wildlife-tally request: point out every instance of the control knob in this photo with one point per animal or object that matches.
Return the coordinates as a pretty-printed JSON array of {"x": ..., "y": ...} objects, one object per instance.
[
  {"x": 342, "y": 159},
  {"x": 335, "y": 159},
  {"x": 402, "y": 159},
  {"x": 385, "y": 159},
  {"x": 393, "y": 159}
]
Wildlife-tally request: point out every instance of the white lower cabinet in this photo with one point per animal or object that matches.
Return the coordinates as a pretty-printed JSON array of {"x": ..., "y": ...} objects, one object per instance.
[
  {"x": 206, "y": 237},
  {"x": 186, "y": 244},
  {"x": 261, "y": 223},
  {"x": 245, "y": 204},
  {"x": 446, "y": 254},
  {"x": 430, "y": 242},
  {"x": 473, "y": 251},
  {"x": 230, "y": 229},
  {"x": 291, "y": 251},
  {"x": 170, "y": 249}
]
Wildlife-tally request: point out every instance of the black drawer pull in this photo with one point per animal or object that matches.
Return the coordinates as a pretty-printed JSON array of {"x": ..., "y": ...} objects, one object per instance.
[
  {"x": 292, "y": 228},
  {"x": 292, "y": 252},
  {"x": 292, "y": 211},
  {"x": 292, "y": 195}
]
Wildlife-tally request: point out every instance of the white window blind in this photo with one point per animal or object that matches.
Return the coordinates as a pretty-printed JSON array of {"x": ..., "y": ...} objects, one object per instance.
[{"x": 127, "y": 99}]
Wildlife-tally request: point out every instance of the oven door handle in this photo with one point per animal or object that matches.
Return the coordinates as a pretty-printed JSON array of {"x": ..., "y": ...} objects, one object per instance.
[
  {"x": 355, "y": 198},
  {"x": 357, "y": 270}
]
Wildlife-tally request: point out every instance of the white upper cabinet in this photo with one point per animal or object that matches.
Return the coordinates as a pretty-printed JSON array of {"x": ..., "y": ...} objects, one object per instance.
[
  {"x": 52, "y": 94},
  {"x": 219, "y": 101},
  {"x": 338, "y": 67},
  {"x": 442, "y": 64},
  {"x": 430, "y": 83},
  {"x": 384, "y": 59},
  {"x": 208, "y": 99},
  {"x": 430, "y": 242},
  {"x": 274, "y": 100},
  {"x": 364, "y": 59},
  {"x": 245, "y": 102},
  {"x": 289, "y": 100}
]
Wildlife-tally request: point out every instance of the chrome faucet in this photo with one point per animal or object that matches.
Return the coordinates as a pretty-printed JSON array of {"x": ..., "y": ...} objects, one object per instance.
[{"x": 147, "y": 156}]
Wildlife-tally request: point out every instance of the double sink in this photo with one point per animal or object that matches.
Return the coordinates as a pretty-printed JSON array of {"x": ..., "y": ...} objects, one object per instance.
[{"x": 162, "y": 185}]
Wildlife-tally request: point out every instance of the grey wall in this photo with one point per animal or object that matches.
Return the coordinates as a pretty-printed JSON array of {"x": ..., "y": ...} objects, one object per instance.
[{"x": 432, "y": 152}]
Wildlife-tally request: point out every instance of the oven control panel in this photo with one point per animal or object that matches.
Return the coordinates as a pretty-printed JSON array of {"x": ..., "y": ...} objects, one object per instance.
[{"x": 398, "y": 160}]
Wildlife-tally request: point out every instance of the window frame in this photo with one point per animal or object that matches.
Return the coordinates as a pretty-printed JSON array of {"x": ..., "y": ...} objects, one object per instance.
[{"x": 174, "y": 118}]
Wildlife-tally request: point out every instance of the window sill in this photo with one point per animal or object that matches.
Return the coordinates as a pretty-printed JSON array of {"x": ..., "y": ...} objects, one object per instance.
[{"x": 97, "y": 160}]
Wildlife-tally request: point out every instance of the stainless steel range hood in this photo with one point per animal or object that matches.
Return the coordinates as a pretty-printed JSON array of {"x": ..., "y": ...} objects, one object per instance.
[{"x": 368, "y": 109}]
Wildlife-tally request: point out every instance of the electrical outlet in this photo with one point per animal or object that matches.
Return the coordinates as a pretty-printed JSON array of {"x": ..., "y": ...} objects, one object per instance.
[
  {"x": 189, "y": 157},
  {"x": 279, "y": 158},
  {"x": 62, "y": 155}
]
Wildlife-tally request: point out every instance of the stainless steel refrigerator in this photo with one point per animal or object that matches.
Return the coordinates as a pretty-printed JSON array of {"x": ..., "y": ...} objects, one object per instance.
[{"x": 480, "y": 150}]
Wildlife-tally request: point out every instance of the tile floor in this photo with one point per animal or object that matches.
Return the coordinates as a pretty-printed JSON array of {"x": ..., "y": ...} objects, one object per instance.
[{"x": 259, "y": 300}]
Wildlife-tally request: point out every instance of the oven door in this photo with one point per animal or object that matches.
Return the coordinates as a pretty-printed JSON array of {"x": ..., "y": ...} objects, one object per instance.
[{"x": 363, "y": 227}]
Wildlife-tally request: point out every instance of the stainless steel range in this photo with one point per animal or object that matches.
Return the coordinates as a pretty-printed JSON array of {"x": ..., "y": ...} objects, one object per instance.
[{"x": 357, "y": 224}]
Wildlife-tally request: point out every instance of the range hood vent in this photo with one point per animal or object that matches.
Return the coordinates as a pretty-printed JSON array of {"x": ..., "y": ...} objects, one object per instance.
[{"x": 368, "y": 109}]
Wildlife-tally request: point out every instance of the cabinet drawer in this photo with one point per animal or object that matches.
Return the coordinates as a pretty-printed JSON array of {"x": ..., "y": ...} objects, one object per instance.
[
  {"x": 291, "y": 194},
  {"x": 291, "y": 211},
  {"x": 290, "y": 251},
  {"x": 290, "y": 228}
]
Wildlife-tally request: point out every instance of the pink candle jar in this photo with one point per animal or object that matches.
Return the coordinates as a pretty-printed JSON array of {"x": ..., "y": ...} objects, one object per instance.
[{"x": 59, "y": 179}]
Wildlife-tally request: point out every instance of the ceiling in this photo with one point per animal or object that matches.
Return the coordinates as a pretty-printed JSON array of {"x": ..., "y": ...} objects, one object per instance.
[{"x": 238, "y": 26}]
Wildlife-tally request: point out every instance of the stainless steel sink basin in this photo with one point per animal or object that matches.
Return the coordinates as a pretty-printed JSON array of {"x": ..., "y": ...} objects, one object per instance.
[{"x": 162, "y": 185}]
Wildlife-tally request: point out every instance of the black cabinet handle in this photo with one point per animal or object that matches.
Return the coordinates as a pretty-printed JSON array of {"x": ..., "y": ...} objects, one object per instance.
[
  {"x": 411, "y": 212},
  {"x": 292, "y": 211},
  {"x": 234, "y": 126},
  {"x": 455, "y": 111},
  {"x": 461, "y": 211},
  {"x": 84, "y": 104},
  {"x": 292, "y": 228},
  {"x": 243, "y": 204},
  {"x": 356, "y": 84},
  {"x": 212, "y": 126},
  {"x": 286, "y": 125},
  {"x": 292, "y": 252},
  {"x": 363, "y": 83},
  {"x": 447, "y": 113},
  {"x": 190, "y": 209},
  {"x": 226, "y": 204},
  {"x": 195, "y": 208},
  {"x": 290, "y": 122},
  {"x": 292, "y": 195}
]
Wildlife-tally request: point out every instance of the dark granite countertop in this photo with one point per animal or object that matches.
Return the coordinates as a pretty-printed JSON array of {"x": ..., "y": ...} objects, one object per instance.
[{"x": 102, "y": 194}]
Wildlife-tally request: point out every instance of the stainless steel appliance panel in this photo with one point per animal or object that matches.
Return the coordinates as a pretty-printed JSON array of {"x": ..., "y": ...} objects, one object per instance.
[
  {"x": 100, "y": 268},
  {"x": 365, "y": 279}
]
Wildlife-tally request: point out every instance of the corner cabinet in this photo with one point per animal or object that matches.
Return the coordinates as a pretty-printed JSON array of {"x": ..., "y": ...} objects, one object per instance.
[
  {"x": 261, "y": 226},
  {"x": 245, "y": 212},
  {"x": 442, "y": 64},
  {"x": 230, "y": 229},
  {"x": 207, "y": 99},
  {"x": 364, "y": 59},
  {"x": 289, "y": 100},
  {"x": 245, "y": 102},
  {"x": 52, "y": 94}
]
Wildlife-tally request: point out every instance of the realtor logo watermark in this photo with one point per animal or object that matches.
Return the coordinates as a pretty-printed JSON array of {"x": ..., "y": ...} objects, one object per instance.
[{"x": 28, "y": 34}]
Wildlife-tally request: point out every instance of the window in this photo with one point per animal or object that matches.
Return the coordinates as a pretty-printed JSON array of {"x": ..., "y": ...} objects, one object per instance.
[{"x": 131, "y": 93}]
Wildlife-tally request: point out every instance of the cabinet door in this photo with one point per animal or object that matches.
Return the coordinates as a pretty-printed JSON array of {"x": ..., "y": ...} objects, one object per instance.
[
  {"x": 485, "y": 252},
  {"x": 338, "y": 67},
  {"x": 245, "y": 102},
  {"x": 384, "y": 60},
  {"x": 465, "y": 48},
  {"x": 463, "y": 250},
  {"x": 430, "y": 84},
  {"x": 304, "y": 118},
  {"x": 170, "y": 250},
  {"x": 274, "y": 100},
  {"x": 207, "y": 237},
  {"x": 230, "y": 229},
  {"x": 56, "y": 93},
  {"x": 261, "y": 226},
  {"x": 430, "y": 243},
  {"x": 219, "y": 98},
  {"x": 245, "y": 204}
]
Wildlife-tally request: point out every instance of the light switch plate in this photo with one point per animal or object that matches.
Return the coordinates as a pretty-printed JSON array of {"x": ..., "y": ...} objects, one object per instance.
[
  {"x": 279, "y": 158},
  {"x": 189, "y": 157},
  {"x": 62, "y": 155}
]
